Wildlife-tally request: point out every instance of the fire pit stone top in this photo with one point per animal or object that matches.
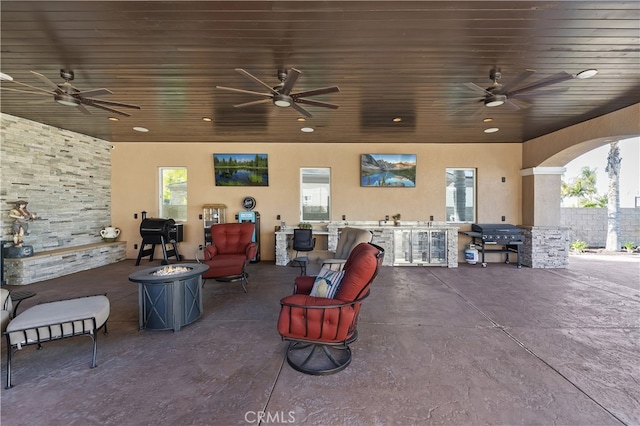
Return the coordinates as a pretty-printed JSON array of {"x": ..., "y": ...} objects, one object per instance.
[
  {"x": 171, "y": 270},
  {"x": 159, "y": 274}
]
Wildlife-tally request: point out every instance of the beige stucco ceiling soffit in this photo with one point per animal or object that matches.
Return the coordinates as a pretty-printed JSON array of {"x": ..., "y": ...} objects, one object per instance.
[{"x": 542, "y": 171}]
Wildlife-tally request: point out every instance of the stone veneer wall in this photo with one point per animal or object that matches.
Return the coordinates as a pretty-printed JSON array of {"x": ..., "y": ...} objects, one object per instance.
[
  {"x": 545, "y": 247},
  {"x": 590, "y": 225},
  {"x": 65, "y": 177}
]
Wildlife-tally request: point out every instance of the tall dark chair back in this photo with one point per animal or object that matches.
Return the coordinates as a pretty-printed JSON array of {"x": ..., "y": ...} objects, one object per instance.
[{"x": 303, "y": 241}]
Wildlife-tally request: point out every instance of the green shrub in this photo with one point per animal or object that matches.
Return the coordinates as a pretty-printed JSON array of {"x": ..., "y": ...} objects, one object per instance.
[{"x": 579, "y": 246}]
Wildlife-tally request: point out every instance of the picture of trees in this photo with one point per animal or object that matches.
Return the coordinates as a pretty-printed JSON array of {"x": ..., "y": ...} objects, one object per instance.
[{"x": 241, "y": 169}]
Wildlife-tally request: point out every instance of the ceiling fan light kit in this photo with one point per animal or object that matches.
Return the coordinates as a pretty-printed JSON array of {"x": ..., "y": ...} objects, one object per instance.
[
  {"x": 586, "y": 74},
  {"x": 495, "y": 100},
  {"x": 66, "y": 99},
  {"x": 282, "y": 101}
]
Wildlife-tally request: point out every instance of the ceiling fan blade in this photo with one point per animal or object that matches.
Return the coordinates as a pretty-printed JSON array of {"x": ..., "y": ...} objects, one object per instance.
[
  {"x": 27, "y": 91},
  {"x": 477, "y": 89},
  {"x": 84, "y": 110},
  {"x": 554, "y": 79},
  {"x": 260, "y": 101},
  {"x": 301, "y": 110},
  {"x": 256, "y": 79},
  {"x": 94, "y": 92},
  {"x": 540, "y": 93},
  {"x": 522, "y": 104},
  {"x": 315, "y": 92},
  {"x": 46, "y": 81},
  {"x": 34, "y": 87},
  {"x": 112, "y": 103},
  {"x": 268, "y": 95},
  {"x": 292, "y": 77},
  {"x": 115, "y": 111},
  {"x": 516, "y": 81},
  {"x": 465, "y": 107},
  {"x": 316, "y": 103}
]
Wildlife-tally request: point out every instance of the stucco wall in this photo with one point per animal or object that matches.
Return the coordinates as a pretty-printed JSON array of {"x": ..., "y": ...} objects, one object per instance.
[
  {"x": 590, "y": 225},
  {"x": 135, "y": 184},
  {"x": 65, "y": 177}
]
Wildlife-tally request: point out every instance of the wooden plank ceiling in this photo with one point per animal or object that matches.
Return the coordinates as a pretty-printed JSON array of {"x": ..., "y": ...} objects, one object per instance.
[{"x": 407, "y": 59}]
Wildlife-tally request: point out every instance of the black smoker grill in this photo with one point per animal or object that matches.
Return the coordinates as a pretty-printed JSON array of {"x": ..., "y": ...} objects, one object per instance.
[
  {"x": 159, "y": 231},
  {"x": 510, "y": 237}
]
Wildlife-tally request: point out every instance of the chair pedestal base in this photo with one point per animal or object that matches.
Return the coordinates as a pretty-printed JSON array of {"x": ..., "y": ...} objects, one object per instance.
[
  {"x": 301, "y": 262},
  {"x": 317, "y": 358},
  {"x": 232, "y": 279}
]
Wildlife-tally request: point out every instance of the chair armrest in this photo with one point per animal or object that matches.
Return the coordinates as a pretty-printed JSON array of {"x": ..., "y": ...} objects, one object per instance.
[
  {"x": 7, "y": 304},
  {"x": 304, "y": 301},
  {"x": 251, "y": 250},
  {"x": 210, "y": 252}
]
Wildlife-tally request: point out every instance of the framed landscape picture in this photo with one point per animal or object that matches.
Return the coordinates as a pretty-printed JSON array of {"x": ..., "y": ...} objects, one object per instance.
[
  {"x": 241, "y": 169},
  {"x": 388, "y": 170}
]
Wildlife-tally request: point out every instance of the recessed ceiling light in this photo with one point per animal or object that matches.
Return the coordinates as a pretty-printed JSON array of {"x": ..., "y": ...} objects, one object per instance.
[
  {"x": 302, "y": 119},
  {"x": 491, "y": 130},
  {"x": 307, "y": 129},
  {"x": 487, "y": 120},
  {"x": 207, "y": 119},
  {"x": 586, "y": 74},
  {"x": 6, "y": 77},
  {"x": 141, "y": 129},
  {"x": 114, "y": 119},
  {"x": 397, "y": 120}
]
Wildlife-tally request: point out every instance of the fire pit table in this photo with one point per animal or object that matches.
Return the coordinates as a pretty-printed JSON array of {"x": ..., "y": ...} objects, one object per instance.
[{"x": 169, "y": 297}]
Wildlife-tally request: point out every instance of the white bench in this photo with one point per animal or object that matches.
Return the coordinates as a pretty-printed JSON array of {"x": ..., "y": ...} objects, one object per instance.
[{"x": 57, "y": 320}]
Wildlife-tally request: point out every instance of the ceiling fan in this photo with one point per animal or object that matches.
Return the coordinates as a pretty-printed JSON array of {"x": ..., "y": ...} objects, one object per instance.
[
  {"x": 281, "y": 95},
  {"x": 508, "y": 94},
  {"x": 66, "y": 94}
]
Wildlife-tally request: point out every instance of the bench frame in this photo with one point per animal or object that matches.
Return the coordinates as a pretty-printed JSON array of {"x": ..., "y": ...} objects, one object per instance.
[{"x": 76, "y": 331}]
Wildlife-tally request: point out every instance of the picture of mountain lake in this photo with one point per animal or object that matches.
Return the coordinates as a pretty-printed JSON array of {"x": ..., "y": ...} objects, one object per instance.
[
  {"x": 241, "y": 169},
  {"x": 388, "y": 170}
]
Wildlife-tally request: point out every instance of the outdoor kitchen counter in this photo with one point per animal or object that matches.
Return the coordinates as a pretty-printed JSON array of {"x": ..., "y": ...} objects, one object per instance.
[{"x": 383, "y": 235}]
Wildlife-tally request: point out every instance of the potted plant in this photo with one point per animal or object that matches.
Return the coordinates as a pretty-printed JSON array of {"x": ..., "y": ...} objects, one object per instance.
[
  {"x": 396, "y": 218},
  {"x": 305, "y": 225}
]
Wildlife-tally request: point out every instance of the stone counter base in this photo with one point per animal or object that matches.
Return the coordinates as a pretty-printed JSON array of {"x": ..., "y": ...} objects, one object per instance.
[{"x": 50, "y": 264}]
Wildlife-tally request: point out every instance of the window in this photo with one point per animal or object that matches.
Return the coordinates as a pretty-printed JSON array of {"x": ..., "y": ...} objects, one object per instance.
[
  {"x": 461, "y": 195},
  {"x": 173, "y": 193},
  {"x": 315, "y": 194}
]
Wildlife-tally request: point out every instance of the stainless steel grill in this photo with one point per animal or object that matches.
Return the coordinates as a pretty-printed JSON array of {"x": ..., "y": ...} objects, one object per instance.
[
  {"x": 510, "y": 237},
  {"x": 498, "y": 233}
]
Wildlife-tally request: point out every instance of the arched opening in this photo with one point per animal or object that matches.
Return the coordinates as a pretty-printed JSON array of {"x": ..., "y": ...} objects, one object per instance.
[{"x": 595, "y": 219}]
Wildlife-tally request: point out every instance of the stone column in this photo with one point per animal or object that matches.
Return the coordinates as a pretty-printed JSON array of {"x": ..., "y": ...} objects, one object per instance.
[{"x": 546, "y": 241}]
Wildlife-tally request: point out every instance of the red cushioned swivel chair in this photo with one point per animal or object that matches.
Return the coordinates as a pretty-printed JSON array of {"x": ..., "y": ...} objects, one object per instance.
[
  {"x": 320, "y": 329},
  {"x": 231, "y": 250}
]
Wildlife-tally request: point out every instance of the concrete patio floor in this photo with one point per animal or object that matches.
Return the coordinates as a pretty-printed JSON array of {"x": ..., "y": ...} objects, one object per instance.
[{"x": 466, "y": 346}]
